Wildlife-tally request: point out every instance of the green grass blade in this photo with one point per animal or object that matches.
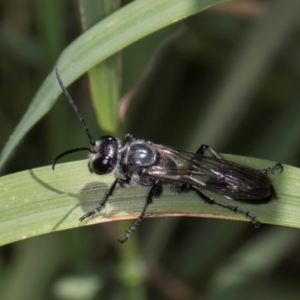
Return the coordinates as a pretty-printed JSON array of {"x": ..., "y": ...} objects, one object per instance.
[
  {"x": 127, "y": 25},
  {"x": 40, "y": 201},
  {"x": 104, "y": 78}
]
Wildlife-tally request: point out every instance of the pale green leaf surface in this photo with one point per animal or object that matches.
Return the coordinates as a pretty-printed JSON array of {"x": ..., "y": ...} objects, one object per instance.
[
  {"x": 104, "y": 78},
  {"x": 40, "y": 201},
  {"x": 127, "y": 25}
]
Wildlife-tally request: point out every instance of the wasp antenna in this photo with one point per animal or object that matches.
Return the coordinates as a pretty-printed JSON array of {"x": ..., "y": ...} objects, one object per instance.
[
  {"x": 68, "y": 152},
  {"x": 75, "y": 108}
]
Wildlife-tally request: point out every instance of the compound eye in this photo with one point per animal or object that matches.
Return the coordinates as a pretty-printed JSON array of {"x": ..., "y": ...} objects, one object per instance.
[{"x": 102, "y": 165}]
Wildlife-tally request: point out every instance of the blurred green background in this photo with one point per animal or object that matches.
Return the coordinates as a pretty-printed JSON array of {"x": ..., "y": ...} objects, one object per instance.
[{"x": 227, "y": 77}]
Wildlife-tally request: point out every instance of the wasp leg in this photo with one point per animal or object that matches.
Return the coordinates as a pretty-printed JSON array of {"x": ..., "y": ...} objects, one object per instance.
[
  {"x": 234, "y": 209},
  {"x": 122, "y": 183},
  {"x": 155, "y": 191},
  {"x": 273, "y": 168},
  {"x": 204, "y": 147}
]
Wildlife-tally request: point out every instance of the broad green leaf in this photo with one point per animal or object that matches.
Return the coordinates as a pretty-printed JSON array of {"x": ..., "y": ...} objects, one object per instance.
[
  {"x": 40, "y": 201},
  {"x": 104, "y": 78}
]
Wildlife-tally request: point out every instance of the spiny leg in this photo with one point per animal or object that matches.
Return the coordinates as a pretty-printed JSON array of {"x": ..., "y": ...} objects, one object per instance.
[
  {"x": 155, "y": 191},
  {"x": 234, "y": 209},
  {"x": 273, "y": 168},
  {"x": 204, "y": 147},
  {"x": 122, "y": 183}
]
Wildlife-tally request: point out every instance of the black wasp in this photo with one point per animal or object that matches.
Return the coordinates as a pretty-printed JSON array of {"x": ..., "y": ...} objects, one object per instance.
[{"x": 154, "y": 166}]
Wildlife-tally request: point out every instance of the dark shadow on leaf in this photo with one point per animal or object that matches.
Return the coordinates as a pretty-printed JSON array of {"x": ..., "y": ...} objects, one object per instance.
[{"x": 88, "y": 198}]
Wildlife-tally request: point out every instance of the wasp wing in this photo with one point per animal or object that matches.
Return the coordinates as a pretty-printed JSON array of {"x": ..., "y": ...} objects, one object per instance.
[{"x": 235, "y": 181}]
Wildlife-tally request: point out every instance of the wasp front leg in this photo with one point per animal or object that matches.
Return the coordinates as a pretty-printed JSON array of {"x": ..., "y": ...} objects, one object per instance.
[{"x": 121, "y": 182}]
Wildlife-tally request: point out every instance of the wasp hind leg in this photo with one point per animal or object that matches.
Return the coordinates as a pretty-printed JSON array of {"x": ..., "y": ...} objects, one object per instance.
[
  {"x": 232, "y": 208},
  {"x": 273, "y": 168},
  {"x": 155, "y": 191},
  {"x": 202, "y": 149}
]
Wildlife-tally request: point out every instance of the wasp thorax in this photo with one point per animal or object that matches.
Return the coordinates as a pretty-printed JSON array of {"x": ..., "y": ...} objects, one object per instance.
[{"x": 103, "y": 158}]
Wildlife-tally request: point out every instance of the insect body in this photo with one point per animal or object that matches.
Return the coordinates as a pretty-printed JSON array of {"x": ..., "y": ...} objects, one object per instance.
[{"x": 154, "y": 166}]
